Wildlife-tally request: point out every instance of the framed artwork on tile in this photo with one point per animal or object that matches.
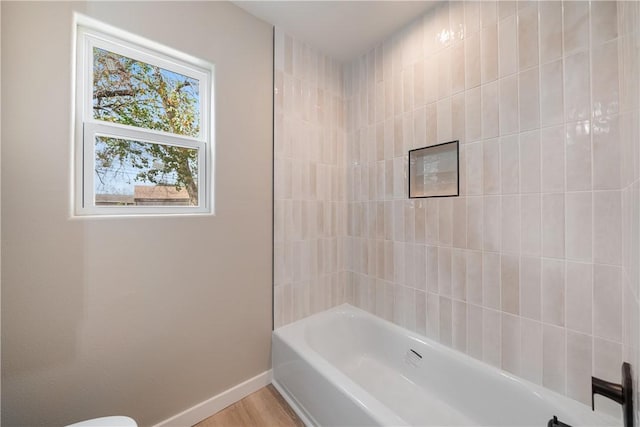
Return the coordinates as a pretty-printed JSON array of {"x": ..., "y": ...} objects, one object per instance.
[{"x": 434, "y": 171}]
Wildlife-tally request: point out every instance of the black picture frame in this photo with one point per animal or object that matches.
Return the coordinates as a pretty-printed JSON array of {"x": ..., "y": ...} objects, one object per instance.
[{"x": 437, "y": 153}]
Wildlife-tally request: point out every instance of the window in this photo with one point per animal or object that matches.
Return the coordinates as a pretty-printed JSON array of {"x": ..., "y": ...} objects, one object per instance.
[{"x": 143, "y": 127}]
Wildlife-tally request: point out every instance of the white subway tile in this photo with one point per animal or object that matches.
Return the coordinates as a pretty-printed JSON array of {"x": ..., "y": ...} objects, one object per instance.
[
  {"x": 530, "y": 162},
  {"x": 418, "y": 84},
  {"x": 430, "y": 81},
  {"x": 458, "y": 274},
  {"x": 553, "y": 292},
  {"x": 407, "y": 132},
  {"x": 472, "y": 60},
  {"x": 607, "y": 156},
  {"x": 471, "y": 17},
  {"x": 459, "y": 222},
  {"x": 607, "y": 227},
  {"x": 506, "y": 9},
  {"x": 579, "y": 296},
  {"x": 530, "y": 292},
  {"x": 531, "y": 224},
  {"x": 509, "y": 164},
  {"x": 419, "y": 221},
  {"x": 432, "y": 124},
  {"x": 420, "y": 266},
  {"x": 421, "y": 312},
  {"x": 508, "y": 105},
  {"x": 491, "y": 166},
  {"x": 409, "y": 265},
  {"x": 629, "y": 66},
  {"x": 445, "y": 216},
  {"x": 605, "y": 84},
  {"x": 577, "y": 104},
  {"x": 489, "y": 54},
  {"x": 446, "y": 321},
  {"x": 444, "y": 271},
  {"x": 475, "y": 221},
  {"x": 431, "y": 221},
  {"x": 529, "y": 99},
  {"x": 475, "y": 167},
  {"x": 531, "y": 346},
  {"x": 607, "y": 302},
  {"x": 488, "y": 13},
  {"x": 458, "y": 118},
  {"x": 579, "y": 240},
  {"x": 550, "y": 30},
  {"x": 432, "y": 269},
  {"x": 578, "y": 156},
  {"x": 492, "y": 337},
  {"x": 511, "y": 223},
  {"x": 474, "y": 277},
  {"x": 576, "y": 25},
  {"x": 398, "y": 262},
  {"x": 528, "y": 37},
  {"x": 491, "y": 223},
  {"x": 443, "y": 59},
  {"x": 507, "y": 46},
  {"x": 459, "y": 326},
  {"x": 473, "y": 114},
  {"x": 491, "y": 280},
  {"x": 457, "y": 66},
  {"x": 551, "y": 93},
  {"x": 579, "y": 351},
  {"x": 511, "y": 348},
  {"x": 489, "y": 112},
  {"x": 475, "y": 331},
  {"x": 553, "y": 358},
  {"x": 510, "y": 283},
  {"x": 604, "y": 21},
  {"x": 444, "y": 120},
  {"x": 552, "y": 153},
  {"x": 462, "y": 178},
  {"x": 433, "y": 316}
]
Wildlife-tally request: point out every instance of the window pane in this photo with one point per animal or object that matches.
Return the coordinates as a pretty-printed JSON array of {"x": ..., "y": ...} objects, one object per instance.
[
  {"x": 138, "y": 173},
  {"x": 138, "y": 94}
]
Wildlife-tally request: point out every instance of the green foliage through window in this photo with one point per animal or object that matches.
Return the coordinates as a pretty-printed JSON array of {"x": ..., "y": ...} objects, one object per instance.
[
  {"x": 134, "y": 93},
  {"x": 121, "y": 163}
]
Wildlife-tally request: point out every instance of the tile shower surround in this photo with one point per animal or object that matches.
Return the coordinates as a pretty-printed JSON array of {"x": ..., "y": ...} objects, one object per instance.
[
  {"x": 535, "y": 267},
  {"x": 309, "y": 187}
]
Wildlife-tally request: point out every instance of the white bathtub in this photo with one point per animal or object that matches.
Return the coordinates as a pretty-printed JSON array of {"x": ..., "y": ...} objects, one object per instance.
[{"x": 347, "y": 367}]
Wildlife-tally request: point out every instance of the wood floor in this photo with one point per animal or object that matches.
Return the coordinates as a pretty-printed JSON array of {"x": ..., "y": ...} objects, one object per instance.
[{"x": 265, "y": 407}]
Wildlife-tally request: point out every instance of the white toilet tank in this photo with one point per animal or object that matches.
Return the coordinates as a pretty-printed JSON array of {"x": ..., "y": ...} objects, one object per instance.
[{"x": 115, "y": 421}]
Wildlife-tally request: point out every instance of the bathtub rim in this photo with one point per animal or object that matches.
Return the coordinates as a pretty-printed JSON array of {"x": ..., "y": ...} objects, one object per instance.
[{"x": 293, "y": 335}]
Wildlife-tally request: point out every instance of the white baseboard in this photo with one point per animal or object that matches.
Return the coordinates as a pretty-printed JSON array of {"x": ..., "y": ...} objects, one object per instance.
[{"x": 217, "y": 403}]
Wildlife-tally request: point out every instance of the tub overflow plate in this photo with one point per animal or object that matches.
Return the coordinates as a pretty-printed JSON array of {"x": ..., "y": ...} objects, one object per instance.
[{"x": 412, "y": 357}]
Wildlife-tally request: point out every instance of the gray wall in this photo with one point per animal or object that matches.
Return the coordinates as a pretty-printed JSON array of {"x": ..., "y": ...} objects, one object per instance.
[{"x": 141, "y": 316}]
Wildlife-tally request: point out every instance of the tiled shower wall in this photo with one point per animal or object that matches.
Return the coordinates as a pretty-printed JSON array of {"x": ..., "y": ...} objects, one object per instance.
[
  {"x": 309, "y": 186},
  {"x": 535, "y": 267},
  {"x": 629, "y": 72},
  {"x": 532, "y": 269}
]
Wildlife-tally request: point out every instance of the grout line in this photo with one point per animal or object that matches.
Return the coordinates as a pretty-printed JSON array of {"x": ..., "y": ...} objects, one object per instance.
[
  {"x": 564, "y": 131},
  {"x": 273, "y": 178}
]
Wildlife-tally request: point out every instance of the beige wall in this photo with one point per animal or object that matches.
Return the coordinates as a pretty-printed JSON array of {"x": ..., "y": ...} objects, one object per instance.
[{"x": 146, "y": 316}]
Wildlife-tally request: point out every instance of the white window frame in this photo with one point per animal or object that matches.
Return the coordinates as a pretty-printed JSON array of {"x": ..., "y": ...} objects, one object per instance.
[{"x": 90, "y": 34}]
